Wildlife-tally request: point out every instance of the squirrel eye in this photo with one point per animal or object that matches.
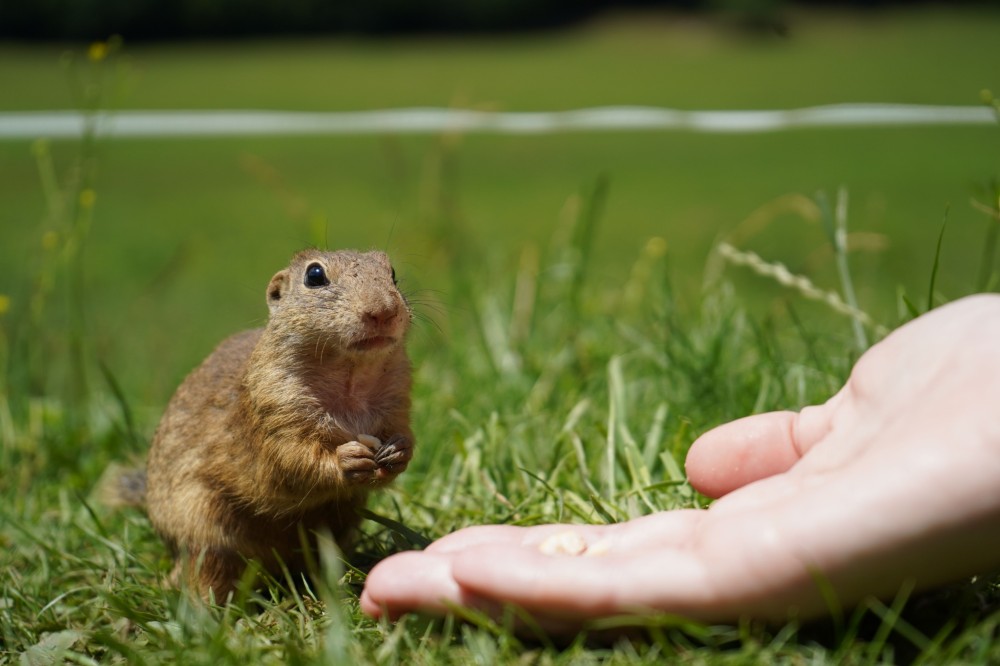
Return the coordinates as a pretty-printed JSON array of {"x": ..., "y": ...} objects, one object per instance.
[
  {"x": 316, "y": 276},
  {"x": 393, "y": 274}
]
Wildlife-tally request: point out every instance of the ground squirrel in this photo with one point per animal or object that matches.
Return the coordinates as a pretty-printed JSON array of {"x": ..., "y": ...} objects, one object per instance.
[{"x": 284, "y": 430}]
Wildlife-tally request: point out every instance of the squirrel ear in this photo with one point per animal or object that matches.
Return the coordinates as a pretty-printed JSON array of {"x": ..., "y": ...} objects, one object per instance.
[{"x": 276, "y": 289}]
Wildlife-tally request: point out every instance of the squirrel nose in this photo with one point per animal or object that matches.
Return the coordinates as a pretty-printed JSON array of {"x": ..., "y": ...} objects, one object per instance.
[{"x": 381, "y": 317}]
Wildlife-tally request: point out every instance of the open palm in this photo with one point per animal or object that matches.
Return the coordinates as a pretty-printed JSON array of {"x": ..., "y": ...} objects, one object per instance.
[{"x": 894, "y": 481}]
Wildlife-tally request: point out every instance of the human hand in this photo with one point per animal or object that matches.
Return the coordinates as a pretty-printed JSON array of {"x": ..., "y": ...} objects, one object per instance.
[{"x": 892, "y": 482}]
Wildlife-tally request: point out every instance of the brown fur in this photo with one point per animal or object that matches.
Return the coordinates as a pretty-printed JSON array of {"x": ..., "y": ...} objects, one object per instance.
[{"x": 286, "y": 427}]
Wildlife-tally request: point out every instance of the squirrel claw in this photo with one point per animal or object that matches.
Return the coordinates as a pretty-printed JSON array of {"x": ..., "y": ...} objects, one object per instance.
[{"x": 394, "y": 454}]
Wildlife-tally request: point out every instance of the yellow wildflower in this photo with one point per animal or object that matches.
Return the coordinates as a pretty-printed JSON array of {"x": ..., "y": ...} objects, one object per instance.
[
  {"x": 4, "y": 304},
  {"x": 656, "y": 246},
  {"x": 97, "y": 51},
  {"x": 87, "y": 198},
  {"x": 49, "y": 240}
]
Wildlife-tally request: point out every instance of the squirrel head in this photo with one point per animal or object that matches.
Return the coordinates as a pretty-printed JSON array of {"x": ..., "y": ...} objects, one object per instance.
[{"x": 343, "y": 302}]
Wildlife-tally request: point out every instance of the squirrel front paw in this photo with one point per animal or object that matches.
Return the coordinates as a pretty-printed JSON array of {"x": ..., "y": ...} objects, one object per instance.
[
  {"x": 394, "y": 455},
  {"x": 368, "y": 459},
  {"x": 356, "y": 459}
]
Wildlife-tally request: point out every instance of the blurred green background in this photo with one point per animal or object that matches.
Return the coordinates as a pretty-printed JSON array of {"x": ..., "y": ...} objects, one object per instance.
[{"x": 186, "y": 232}]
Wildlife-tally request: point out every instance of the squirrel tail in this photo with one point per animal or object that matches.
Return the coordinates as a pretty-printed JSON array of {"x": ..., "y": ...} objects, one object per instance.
[{"x": 122, "y": 486}]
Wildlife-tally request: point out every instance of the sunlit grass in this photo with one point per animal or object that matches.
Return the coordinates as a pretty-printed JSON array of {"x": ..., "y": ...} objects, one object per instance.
[
  {"x": 549, "y": 401},
  {"x": 577, "y": 331}
]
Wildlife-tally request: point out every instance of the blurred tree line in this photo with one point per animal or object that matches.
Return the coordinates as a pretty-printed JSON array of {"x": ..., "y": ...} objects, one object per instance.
[{"x": 178, "y": 19}]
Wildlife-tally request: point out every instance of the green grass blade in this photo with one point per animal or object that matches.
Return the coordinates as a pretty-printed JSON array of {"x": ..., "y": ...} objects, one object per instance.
[{"x": 937, "y": 262}]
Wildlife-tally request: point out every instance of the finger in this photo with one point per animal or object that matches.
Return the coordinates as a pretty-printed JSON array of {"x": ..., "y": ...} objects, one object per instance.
[
  {"x": 508, "y": 535},
  {"x": 755, "y": 447},
  {"x": 658, "y": 530},
  {"x": 411, "y": 581},
  {"x": 671, "y": 580}
]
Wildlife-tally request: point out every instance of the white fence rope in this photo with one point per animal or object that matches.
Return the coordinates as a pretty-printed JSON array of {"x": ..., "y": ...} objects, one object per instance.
[{"x": 126, "y": 124}]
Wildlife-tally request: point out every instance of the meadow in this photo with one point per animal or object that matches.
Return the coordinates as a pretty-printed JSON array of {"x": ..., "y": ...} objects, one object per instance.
[{"x": 572, "y": 274}]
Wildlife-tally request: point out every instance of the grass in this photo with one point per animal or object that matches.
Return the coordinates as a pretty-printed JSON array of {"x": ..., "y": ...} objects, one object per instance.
[
  {"x": 178, "y": 221},
  {"x": 177, "y": 216},
  {"x": 587, "y": 419},
  {"x": 580, "y": 329},
  {"x": 656, "y": 59}
]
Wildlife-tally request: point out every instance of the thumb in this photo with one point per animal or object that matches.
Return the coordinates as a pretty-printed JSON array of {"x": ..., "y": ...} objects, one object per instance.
[{"x": 754, "y": 447}]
